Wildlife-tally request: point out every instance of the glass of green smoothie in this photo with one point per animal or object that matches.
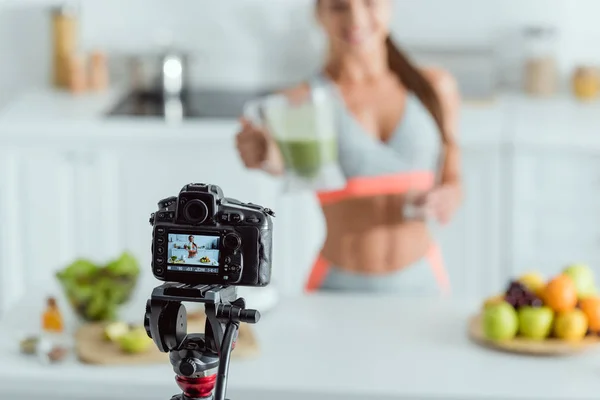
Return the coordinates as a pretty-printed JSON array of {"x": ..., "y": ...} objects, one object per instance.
[{"x": 304, "y": 126}]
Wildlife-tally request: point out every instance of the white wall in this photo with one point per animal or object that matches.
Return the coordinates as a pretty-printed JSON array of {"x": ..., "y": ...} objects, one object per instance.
[{"x": 250, "y": 41}]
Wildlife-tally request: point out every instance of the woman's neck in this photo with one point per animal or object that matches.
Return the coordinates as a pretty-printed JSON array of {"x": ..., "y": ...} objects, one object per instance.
[{"x": 357, "y": 68}]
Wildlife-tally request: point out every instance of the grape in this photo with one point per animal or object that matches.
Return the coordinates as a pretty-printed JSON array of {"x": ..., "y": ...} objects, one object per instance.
[
  {"x": 518, "y": 295},
  {"x": 512, "y": 302},
  {"x": 536, "y": 303}
]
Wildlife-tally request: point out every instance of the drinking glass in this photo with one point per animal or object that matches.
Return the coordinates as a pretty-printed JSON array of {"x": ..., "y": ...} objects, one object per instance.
[{"x": 304, "y": 127}]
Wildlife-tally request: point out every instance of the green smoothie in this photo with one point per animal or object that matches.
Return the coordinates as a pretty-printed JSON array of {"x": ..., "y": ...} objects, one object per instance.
[
  {"x": 305, "y": 135},
  {"x": 306, "y": 157}
]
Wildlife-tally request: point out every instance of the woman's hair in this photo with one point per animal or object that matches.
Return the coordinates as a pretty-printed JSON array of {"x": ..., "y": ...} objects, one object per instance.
[{"x": 416, "y": 82}]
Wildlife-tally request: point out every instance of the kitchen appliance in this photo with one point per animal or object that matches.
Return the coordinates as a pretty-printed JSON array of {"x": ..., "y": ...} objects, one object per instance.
[
  {"x": 190, "y": 104},
  {"x": 165, "y": 72}
]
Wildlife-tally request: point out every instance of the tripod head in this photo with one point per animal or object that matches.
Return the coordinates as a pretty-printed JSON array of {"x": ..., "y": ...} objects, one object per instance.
[{"x": 200, "y": 360}]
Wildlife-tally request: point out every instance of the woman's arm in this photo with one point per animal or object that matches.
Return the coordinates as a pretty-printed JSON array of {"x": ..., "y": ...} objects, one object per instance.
[{"x": 450, "y": 194}]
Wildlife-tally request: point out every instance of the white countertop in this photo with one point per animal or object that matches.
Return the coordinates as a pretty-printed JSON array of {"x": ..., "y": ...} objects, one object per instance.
[
  {"x": 323, "y": 346},
  {"x": 53, "y": 116}
]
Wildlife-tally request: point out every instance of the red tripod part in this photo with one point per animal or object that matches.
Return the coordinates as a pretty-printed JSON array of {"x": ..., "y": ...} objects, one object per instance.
[{"x": 197, "y": 388}]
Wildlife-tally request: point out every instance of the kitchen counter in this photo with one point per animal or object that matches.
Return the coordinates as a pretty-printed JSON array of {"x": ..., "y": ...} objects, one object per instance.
[
  {"x": 49, "y": 116},
  {"x": 331, "y": 347},
  {"x": 53, "y": 116}
]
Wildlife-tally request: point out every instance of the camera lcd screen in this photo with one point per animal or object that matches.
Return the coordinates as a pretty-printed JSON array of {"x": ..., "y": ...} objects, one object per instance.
[{"x": 193, "y": 253}]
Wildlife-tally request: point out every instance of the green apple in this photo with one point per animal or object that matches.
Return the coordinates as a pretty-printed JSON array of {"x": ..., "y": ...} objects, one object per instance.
[
  {"x": 583, "y": 277},
  {"x": 135, "y": 341},
  {"x": 115, "y": 330},
  {"x": 500, "y": 321},
  {"x": 535, "y": 322}
]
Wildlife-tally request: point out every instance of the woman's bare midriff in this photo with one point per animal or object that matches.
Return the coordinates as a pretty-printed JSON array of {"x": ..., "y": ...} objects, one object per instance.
[{"x": 369, "y": 235}]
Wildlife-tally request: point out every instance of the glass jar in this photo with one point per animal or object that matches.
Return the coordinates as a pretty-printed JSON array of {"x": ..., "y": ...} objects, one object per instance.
[
  {"x": 541, "y": 66},
  {"x": 65, "y": 43},
  {"x": 586, "y": 83}
]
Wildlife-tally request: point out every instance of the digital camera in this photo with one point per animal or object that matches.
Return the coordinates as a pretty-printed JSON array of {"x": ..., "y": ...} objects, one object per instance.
[{"x": 202, "y": 237}]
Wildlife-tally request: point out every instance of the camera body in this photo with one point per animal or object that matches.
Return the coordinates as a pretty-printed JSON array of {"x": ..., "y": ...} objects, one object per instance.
[{"x": 203, "y": 237}]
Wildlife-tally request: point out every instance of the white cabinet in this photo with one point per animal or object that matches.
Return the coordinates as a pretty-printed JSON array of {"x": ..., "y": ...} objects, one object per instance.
[
  {"x": 38, "y": 230},
  {"x": 11, "y": 265},
  {"x": 555, "y": 209},
  {"x": 61, "y": 203},
  {"x": 471, "y": 243}
]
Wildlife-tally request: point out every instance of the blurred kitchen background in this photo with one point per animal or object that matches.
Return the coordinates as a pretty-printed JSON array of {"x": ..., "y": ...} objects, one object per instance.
[{"x": 83, "y": 165}]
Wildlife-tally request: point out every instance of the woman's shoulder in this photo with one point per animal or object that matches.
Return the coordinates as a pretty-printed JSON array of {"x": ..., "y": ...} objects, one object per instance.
[{"x": 442, "y": 80}]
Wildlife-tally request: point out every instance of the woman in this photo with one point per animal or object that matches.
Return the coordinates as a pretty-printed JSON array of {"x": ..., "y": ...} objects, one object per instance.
[
  {"x": 397, "y": 134},
  {"x": 191, "y": 247}
]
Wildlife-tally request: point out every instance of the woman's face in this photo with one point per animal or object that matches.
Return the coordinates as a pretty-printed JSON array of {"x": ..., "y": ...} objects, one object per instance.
[
  {"x": 191, "y": 239},
  {"x": 355, "y": 25}
]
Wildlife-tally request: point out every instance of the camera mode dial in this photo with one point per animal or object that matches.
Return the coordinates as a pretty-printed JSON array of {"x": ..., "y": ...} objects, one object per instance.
[{"x": 232, "y": 241}]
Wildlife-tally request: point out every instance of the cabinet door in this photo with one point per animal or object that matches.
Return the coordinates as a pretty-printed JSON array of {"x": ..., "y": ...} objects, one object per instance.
[
  {"x": 471, "y": 242},
  {"x": 38, "y": 218},
  {"x": 96, "y": 205},
  {"x": 11, "y": 265},
  {"x": 555, "y": 209}
]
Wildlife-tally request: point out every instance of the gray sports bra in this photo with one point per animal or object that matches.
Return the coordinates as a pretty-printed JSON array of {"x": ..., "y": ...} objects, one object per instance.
[{"x": 409, "y": 160}]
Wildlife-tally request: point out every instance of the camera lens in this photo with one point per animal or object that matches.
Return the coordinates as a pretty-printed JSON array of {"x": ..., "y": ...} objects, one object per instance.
[{"x": 195, "y": 211}]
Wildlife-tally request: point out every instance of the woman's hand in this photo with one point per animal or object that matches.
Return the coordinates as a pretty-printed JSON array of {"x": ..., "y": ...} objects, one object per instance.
[
  {"x": 252, "y": 144},
  {"x": 257, "y": 149},
  {"x": 442, "y": 202}
]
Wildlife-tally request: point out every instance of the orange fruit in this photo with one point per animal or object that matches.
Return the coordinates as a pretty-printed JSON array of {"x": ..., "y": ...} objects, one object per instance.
[
  {"x": 560, "y": 294},
  {"x": 591, "y": 308}
]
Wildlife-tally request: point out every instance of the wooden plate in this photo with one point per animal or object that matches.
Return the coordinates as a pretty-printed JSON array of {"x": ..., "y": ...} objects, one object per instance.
[
  {"x": 548, "y": 347},
  {"x": 92, "y": 348}
]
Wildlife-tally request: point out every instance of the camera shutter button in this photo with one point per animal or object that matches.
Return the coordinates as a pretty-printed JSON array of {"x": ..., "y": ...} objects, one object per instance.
[{"x": 232, "y": 241}]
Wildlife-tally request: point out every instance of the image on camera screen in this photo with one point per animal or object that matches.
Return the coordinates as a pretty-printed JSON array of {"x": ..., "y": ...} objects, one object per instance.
[{"x": 193, "y": 253}]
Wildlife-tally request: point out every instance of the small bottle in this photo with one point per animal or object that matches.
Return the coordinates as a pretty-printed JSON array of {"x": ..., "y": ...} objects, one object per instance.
[
  {"x": 98, "y": 79},
  {"x": 52, "y": 320},
  {"x": 77, "y": 74}
]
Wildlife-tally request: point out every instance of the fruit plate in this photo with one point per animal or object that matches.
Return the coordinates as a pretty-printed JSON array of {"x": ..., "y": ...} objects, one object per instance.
[{"x": 548, "y": 347}]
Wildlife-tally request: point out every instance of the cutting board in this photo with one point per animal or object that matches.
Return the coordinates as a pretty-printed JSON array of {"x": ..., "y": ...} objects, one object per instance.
[
  {"x": 548, "y": 347},
  {"x": 92, "y": 348}
]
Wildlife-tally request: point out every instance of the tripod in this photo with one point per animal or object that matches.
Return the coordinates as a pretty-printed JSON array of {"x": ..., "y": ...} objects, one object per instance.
[{"x": 200, "y": 361}]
